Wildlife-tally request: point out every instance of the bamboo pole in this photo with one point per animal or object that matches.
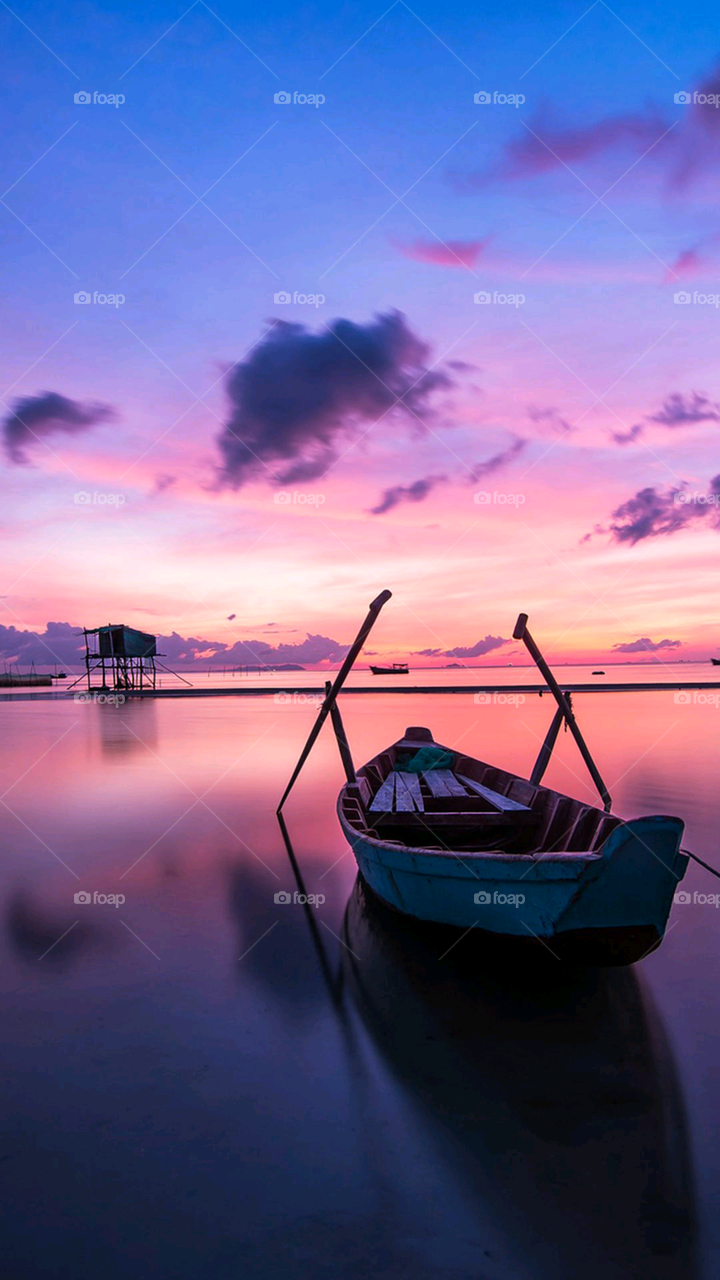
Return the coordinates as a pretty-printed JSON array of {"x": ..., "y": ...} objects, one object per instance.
[
  {"x": 521, "y": 633},
  {"x": 326, "y": 708}
]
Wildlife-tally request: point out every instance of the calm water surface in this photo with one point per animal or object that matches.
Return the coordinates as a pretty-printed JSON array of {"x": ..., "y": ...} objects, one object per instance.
[{"x": 204, "y": 1081}]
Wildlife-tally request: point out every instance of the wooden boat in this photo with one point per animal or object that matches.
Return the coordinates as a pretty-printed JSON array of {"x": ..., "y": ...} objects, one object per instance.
[
  {"x": 397, "y": 669},
  {"x": 715, "y": 662},
  {"x": 442, "y": 837},
  {"x": 474, "y": 846}
]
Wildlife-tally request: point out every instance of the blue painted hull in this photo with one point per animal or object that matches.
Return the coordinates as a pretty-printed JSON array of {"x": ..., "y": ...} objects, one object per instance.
[{"x": 625, "y": 888}]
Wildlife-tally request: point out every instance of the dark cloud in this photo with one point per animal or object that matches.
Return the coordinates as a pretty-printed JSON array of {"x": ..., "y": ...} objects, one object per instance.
[
  {"x": 477, "y": 650},
  {"x": 679, "y": 410},
  {"x": 498, "y": 460},
  {"x": 419, "y": 489},
  {"x": 646, "y": 645},
  {"x": 630, "y": 436},
  {"x": 254, "y": 652},
  {"x": 683, "y": 149},
  {"x": 473, "y": 651},
  {"x": 544, "y": 147},
  {"x": 551, "y": 418},
  {"x": 60, "y": 643},
  {"x": 34, "y": 417},
  {"x": 652, "y": 513},
  {"x": 298, "y": 394},
  {"x": 415, "y": 492}
]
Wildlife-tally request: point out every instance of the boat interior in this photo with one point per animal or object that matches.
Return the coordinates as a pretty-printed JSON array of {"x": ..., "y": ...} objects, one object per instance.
[{"x": 461, "y": 804}]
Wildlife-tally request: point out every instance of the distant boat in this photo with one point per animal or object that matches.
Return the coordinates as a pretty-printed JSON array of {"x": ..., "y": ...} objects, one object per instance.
[
  {"x": 397, "y": 669},
  {"x": 463, "y": 843},
  {"x": 598, "y": 673},
  {"x": 715, "y": 662}
]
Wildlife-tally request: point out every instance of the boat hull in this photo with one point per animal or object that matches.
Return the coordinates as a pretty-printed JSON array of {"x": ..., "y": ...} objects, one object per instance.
[{"x": 607, "y": 907}]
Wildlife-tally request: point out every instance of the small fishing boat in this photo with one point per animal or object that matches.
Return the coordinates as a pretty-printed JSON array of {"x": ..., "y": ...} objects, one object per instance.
[
  {"x": 446, "y": 838},
  {"x": 598, "y": 673},
  {"x": 397, "y": 669},
  {"x": 715, "y": 662},
  {"x": 462, "y": 843}
]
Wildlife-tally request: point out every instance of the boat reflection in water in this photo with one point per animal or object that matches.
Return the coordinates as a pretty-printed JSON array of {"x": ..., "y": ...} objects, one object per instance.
[{"x": 549, "y": 1091}]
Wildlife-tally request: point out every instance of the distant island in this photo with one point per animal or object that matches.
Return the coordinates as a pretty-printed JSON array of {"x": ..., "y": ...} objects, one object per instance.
[{"x": 448, "y": 665}]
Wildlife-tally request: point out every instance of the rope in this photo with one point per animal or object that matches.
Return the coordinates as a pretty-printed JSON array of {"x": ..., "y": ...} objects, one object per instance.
[{"x": 702, "y": 864}]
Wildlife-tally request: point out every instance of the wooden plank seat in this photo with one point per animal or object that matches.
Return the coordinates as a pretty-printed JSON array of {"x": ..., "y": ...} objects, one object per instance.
[
  {"x": 502, "y": 802},
  {"x": 384, "y": 797},
  {"x": 444, "y": 800}
]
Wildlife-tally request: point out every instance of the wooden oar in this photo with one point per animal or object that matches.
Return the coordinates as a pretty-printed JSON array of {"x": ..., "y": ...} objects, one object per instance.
[
  {"x": 521, "y": 633},
  {"x": 338, "y": 683}
]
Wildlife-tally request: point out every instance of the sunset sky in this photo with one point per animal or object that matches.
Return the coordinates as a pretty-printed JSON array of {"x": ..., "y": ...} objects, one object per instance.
[{"x": 282, "y": 462}]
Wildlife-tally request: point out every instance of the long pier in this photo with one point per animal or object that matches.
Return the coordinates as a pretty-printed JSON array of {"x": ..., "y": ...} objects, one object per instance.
[{"x": 297, "y": 693}]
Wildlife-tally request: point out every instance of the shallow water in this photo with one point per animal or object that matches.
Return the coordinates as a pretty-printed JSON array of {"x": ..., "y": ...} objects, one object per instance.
[{"x": 203, "y": 1080}]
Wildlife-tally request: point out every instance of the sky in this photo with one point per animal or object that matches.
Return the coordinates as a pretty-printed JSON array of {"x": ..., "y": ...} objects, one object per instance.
[{"x": 304, "y": 303}]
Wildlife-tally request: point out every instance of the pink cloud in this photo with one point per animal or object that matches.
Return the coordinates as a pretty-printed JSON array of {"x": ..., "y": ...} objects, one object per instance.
[{"x": 449, "y": 253}]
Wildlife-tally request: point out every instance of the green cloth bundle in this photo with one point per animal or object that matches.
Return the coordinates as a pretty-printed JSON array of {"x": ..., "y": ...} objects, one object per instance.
[{"x": 428, "y": 758}]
